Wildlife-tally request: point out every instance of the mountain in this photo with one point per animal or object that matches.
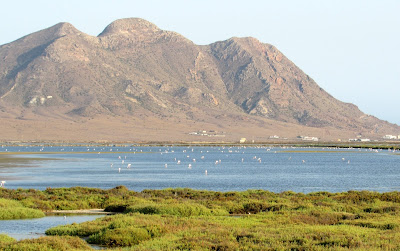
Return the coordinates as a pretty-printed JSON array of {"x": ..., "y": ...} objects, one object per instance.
[{"x": 135, "y": 81}]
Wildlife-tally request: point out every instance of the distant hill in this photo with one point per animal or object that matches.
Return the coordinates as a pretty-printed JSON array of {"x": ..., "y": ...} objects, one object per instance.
[{"x": 137, "y": 82}]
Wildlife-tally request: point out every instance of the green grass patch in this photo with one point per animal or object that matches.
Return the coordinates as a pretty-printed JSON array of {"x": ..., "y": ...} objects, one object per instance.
[
  {"x": 10, "y": 209},
  {"x": 5, "y": 239},
  {"x": 48, "y": 243}
]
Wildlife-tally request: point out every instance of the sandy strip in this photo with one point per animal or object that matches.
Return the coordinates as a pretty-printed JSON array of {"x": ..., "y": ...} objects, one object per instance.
[{"x": 80, "y": 211}]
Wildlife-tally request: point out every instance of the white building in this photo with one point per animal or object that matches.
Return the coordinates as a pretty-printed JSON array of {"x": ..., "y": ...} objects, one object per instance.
[
  {"x": 307, "y": 138},
  {"x": 389, "y": 137}
]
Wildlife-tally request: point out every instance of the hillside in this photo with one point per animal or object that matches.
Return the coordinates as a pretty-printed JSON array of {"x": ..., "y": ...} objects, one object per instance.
[{"x": 136, "y": 82}]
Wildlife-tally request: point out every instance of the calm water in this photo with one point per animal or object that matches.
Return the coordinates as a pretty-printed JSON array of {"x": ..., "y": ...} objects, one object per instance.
[
  {"x": 237, "y": 168},
  {"x": 34, "y": 228}
]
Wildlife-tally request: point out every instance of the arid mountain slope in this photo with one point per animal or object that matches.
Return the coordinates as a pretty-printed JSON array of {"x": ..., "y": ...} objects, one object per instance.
[{"x": 135, "y": 70}]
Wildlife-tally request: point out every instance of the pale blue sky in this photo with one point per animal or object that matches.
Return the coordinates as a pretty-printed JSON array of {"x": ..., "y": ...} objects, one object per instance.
[{"x": 351, "y": 48}]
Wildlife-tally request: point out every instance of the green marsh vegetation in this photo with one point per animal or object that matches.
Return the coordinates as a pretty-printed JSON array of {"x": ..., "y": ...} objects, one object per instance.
[
  {"x": 186, "y": 219},
  {"x": 47, "y": 243},
  {"x": 11, "y": 209}
]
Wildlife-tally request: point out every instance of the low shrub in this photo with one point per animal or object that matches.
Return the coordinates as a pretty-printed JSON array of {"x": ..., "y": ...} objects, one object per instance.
[
  {"x": 183, "y": 210},
  {"x": 5, "y": 239},
  {"x": 84, "y": 229},
  {"x": 120, "y": 237},
  {"x": 10, "y": 209},
  {"x": 48, "y": 243}
]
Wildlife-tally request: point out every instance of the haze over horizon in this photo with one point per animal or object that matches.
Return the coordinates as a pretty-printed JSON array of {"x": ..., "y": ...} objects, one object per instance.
[{"x": 349, "y": 49}]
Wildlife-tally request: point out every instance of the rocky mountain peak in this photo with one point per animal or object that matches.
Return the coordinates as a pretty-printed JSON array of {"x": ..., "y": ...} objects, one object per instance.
[
  {"x": 129, "y": 25},
  {"x": 64, "y": 28}
]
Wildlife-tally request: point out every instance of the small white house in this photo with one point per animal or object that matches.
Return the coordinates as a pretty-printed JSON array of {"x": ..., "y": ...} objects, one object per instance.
[
  {"x": 388, "y": 136},
  {"x": 308, "y": 138}
]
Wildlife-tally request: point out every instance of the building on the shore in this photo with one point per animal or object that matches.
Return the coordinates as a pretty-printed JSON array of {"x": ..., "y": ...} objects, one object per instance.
[
  {"x": 388, "y": 136},
  {"x": 308, "y": 138},
  {"x": 360, "y": 140},
  {"x": 242, "y": 140}
]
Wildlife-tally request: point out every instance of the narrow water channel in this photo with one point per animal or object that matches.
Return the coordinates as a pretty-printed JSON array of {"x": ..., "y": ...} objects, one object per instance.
[{"x": 35, "y": 228}]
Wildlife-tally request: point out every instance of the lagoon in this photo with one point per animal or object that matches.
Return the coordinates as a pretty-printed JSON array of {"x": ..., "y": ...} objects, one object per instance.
[{"x": 237, "y": 168}]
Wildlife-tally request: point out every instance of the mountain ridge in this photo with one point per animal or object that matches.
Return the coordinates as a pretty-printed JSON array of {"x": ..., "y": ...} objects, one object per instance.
[{"x": 135, "y": 69}]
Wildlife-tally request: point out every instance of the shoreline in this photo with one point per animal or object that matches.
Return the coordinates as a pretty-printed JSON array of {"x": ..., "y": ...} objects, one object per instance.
[
  {"x": 80, "y": 211},
  {"x": 374, "y": 145}
]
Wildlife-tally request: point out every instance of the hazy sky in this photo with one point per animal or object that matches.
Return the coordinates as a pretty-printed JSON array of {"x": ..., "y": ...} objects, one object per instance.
[{"x": 351, "y": 48}]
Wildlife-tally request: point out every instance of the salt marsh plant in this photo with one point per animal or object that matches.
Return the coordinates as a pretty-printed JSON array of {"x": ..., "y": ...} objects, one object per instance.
[{"x": 11, "y": 209}]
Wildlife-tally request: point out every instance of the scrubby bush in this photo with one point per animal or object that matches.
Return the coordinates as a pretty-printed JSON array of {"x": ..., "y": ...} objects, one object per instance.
[
  {"x": 183, "y": 210},
  {"x": 120, "y": 237},
  {"x": 10, "y": 209},
  {"x": 48, "y": 243},
  {"x": 5, "y": 239}
]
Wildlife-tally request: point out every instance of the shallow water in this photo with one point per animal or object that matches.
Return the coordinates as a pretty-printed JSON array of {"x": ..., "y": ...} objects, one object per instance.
[
  {"x": 35, "y": 228},
  {"x": 274, "y": 169}
]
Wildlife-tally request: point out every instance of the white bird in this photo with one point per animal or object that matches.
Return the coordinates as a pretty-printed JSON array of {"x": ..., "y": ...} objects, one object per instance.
[
  {"x": 190, "y": 166},
  {"x": 304, "y": 161},
  {"x": 206, "y": 172},
  {"x": 178, "y": 162},
  {"x": 119, "y": 169},
  {"x": 129, "y": 166},
  {"x": 166, "y": 165}
]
